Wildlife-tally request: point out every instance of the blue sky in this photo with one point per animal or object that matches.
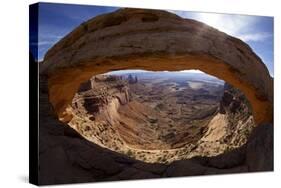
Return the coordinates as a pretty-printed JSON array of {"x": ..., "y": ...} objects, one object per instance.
[{"x": 57, "y": 20}]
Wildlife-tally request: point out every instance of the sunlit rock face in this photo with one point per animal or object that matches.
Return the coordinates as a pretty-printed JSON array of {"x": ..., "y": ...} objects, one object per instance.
[
  {"x": 154, "y": 40},
  {"x": 162, "y": 116}
]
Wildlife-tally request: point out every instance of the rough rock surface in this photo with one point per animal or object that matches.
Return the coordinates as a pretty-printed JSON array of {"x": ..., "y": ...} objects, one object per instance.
[
  {"x": 66, "y": 157},
  {"x": 154, "y": 40}
]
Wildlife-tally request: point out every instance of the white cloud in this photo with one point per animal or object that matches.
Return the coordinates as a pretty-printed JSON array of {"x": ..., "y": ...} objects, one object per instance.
[
  {"x": 255, "y": 37},
  {"x": 192, "y": 71},
  {"x": 42, "y": 43},
  {"x": 230, "y": 24},
  {"x": 239, "y": 26}
]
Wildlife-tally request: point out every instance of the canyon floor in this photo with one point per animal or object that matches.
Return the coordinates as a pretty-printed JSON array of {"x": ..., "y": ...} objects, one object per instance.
[{"x": 162, "y": 117}]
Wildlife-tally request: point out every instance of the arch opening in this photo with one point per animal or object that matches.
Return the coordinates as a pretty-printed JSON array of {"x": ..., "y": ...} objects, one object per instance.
[
  {"x": 157, "y": 41},
  {"x": 161, "y": 116},
  {"x": 64, "y": 83}
]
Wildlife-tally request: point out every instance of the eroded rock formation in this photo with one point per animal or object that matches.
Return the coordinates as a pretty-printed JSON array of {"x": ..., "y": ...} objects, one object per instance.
[
  {"x": 154, "y": 40},
  {"x": 151, "y": 40}
]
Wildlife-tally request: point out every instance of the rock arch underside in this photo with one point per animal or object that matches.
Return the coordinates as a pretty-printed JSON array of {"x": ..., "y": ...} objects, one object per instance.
[{"x": 158, "y": 41}]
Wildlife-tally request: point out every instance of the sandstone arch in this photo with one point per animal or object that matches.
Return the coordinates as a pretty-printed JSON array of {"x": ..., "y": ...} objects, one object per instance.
[{"x": 154, "y": 40}]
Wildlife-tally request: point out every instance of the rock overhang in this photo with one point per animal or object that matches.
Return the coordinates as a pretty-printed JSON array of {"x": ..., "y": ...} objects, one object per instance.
[{"x": 154, "y": 40}]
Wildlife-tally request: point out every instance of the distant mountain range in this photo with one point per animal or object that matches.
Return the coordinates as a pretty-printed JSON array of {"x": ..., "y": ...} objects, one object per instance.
[{"x": 192, "y": 75}]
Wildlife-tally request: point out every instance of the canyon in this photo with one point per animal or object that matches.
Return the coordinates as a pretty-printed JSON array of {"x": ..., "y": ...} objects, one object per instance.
[
  {"x": 162, "y": 117},
  {"x": 67, "y": 157}
]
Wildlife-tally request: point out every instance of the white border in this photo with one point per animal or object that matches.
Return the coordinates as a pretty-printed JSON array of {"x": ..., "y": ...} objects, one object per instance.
[{"x": 14, "y": 91}]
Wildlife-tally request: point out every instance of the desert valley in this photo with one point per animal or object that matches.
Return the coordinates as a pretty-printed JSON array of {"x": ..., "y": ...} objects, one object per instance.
[{"x": 161, "y": 117}]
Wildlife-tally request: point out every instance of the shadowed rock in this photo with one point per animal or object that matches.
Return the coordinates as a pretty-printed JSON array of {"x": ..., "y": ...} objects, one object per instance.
[{"x": 66, "y": 157}]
